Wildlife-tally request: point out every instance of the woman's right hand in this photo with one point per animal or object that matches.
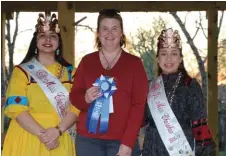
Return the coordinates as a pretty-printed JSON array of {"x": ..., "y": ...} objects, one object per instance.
[{"x": 92, "y": 94}]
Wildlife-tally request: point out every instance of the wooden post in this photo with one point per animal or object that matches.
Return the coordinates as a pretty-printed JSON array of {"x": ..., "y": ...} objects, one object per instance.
[
  {"x": 66, "y": 15},
  {"x": 3, "y": 18},
  {"x": 212, "y": 74}
]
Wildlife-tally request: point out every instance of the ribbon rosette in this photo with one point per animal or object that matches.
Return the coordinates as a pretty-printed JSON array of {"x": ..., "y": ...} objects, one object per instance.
[{"x": 100, "y": 108}]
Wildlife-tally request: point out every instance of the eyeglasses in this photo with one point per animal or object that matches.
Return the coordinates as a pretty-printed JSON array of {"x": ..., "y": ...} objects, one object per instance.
[{"x": 109, "y": 12}]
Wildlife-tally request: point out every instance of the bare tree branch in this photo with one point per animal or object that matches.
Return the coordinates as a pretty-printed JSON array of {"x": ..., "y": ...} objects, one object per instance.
[
  {"x": 197, "y": 30},
  {"x": 190, "y": 41},
  {"x": 79, "y": 21},
  {"x": 185, "y": 18},
  {"x": 204, "y": 60},
  {"x": 16, "y": 29},
  {"x": 11, "y": 43},
  {"x": 203, "y": 31},
  {"x": 24, "y": 31},
  {"x": 195, "y": 51},
  {"x": 200, "y": 24},
  {"x": 8, "y": 38},
  {"x": 87, "y": 27},
  {"x": 221, "y": 20},
  {"x": 8, "y": 34}
]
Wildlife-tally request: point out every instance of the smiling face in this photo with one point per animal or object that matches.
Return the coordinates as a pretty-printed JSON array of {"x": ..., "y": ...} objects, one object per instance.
[
  {"x": 47, "y": 42},
  {"x": 169, "y": 60},
  {"x": 110, "y": 32}
]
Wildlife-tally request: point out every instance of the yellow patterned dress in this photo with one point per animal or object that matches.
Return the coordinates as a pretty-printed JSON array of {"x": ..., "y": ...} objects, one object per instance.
[{"x": 24, "y": 94}]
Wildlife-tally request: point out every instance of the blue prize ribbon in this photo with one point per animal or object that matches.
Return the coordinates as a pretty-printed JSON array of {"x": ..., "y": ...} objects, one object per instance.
[
  {"x": 89, "y": 114},
  {"x": 104, "y": 117},
  {"x": 95, "y": 115},
  {"x": 100, "y": 107}
]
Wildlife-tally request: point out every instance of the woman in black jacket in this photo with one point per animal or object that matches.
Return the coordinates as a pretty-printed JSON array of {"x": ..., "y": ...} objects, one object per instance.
[{"x": 175, "y": 112}]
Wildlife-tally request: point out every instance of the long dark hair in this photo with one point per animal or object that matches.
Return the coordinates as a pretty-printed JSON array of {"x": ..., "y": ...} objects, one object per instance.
[
  {"x": 181, "y": 67},
  {"x": 33, "y": 47},
  {"x": 110, "y": 13}
]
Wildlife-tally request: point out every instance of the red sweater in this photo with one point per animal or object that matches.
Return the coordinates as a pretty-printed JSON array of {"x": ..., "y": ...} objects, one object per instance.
[{"x": 128, "y": 100}]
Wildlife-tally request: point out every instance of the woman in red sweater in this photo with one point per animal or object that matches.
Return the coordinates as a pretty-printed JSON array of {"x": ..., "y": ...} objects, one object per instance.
[{"x": 110, "y": 89}]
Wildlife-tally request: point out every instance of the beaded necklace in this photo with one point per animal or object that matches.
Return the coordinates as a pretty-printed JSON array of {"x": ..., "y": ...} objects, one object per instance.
[
  {"x": 60, "y": 71},
  {"x": 172, "y": 94}
]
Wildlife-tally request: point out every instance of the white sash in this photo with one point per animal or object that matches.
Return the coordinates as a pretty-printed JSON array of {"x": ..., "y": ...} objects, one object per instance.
[
  {"x": 53, "y": 89},
  {"x": 166, "y": 122}
]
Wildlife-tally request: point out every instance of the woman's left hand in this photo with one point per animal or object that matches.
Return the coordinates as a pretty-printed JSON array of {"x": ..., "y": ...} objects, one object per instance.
[
  {"x": 124, "y": 151},
  {"x": 52, "y": 145},
  {"x": 50, "y": 135}
]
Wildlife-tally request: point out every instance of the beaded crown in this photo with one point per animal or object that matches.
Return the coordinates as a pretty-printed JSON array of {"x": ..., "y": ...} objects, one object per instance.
[
  {"x": 169, "y": 39},
  {"x": 47, "y": 23}
]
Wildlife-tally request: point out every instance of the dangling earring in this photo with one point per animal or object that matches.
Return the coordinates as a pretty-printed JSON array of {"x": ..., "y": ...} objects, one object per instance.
[
  {"x": 36, "y": 51},
  {"x": 57, "y": 52}
]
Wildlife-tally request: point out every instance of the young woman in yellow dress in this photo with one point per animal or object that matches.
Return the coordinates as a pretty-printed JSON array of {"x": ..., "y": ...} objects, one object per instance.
[{"x": 37, "y": 98}]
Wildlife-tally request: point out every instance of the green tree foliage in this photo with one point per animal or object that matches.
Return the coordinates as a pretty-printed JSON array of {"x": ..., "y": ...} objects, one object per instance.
[{"x": 145, "y": 44}]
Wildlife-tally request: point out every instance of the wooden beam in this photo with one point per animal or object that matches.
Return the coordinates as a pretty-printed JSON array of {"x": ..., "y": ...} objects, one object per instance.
[
  {"x": 212, "y": 74},
  {"x": 66, "y": 16},
  {"x": 9, "y": 15},
  {"x": 123, "y": 6},
  {"x": 221, "y": 5},
  {"x": 148, "y": 6},
  {"x": 3, "y": 19},
  {"x": 28, "y": 6}
]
